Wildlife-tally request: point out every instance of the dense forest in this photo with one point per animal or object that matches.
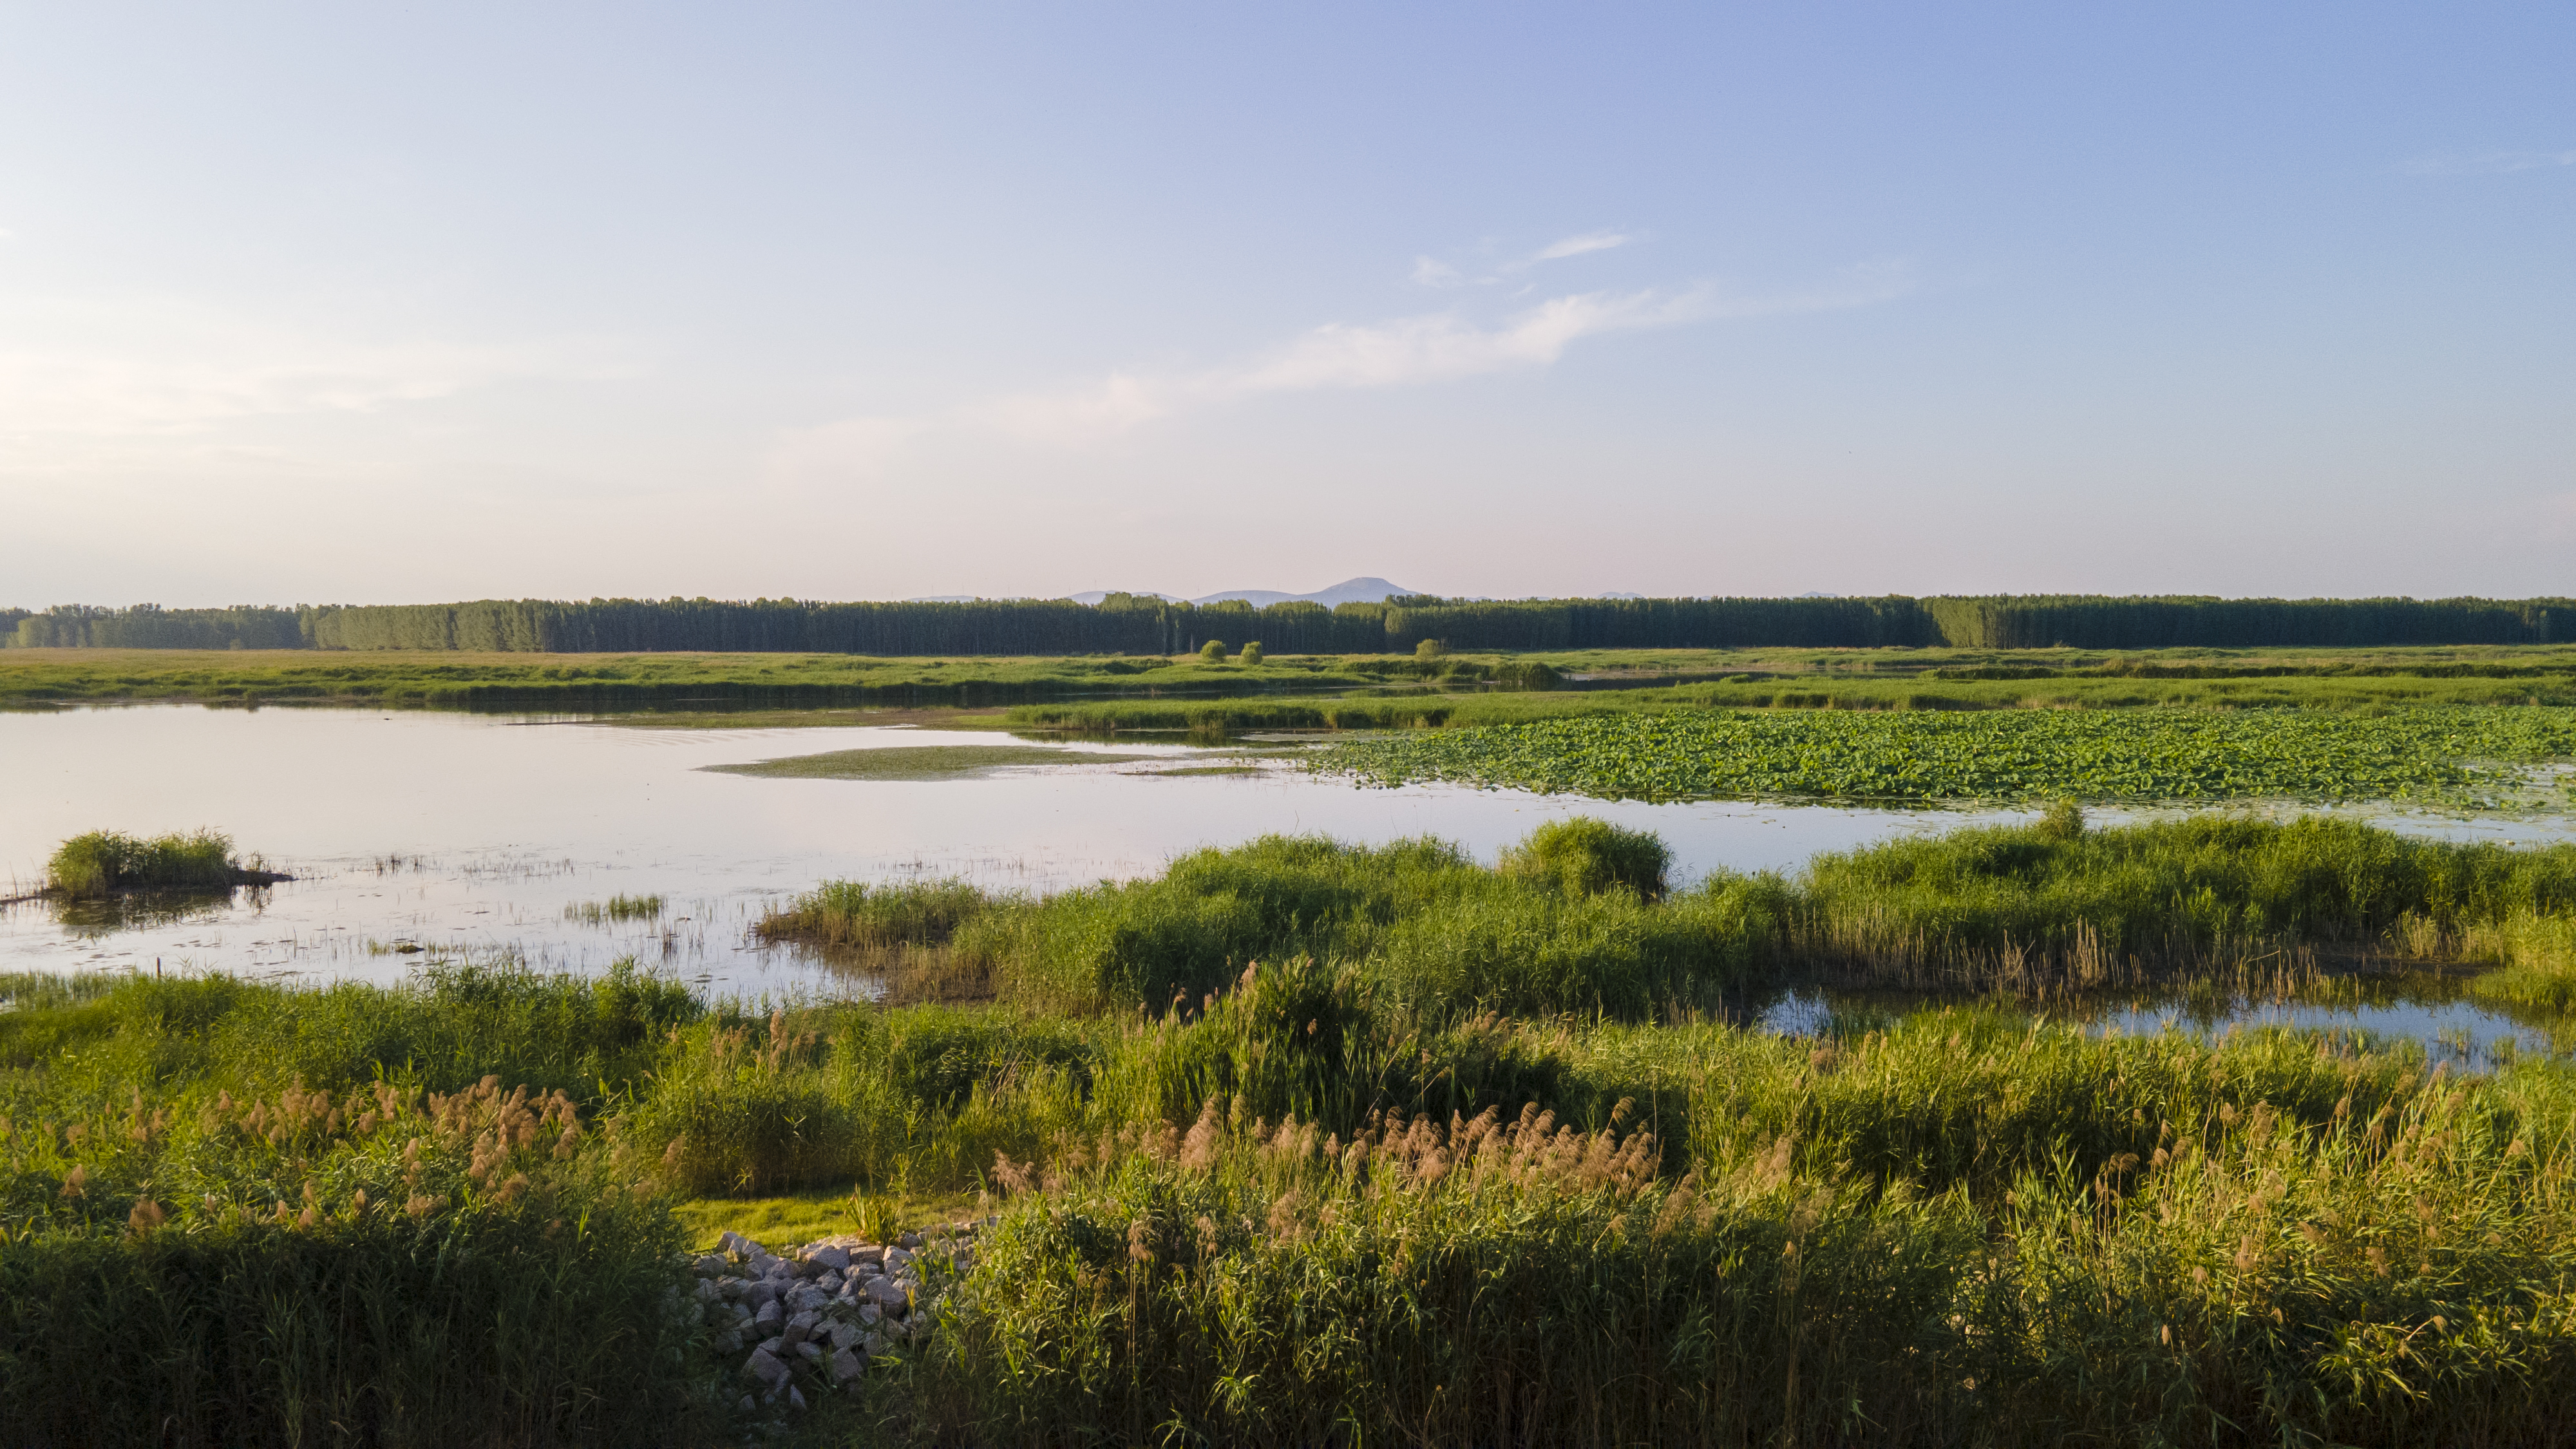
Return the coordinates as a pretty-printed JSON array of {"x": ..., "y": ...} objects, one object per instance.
[{"x": 1142, "y": 624}]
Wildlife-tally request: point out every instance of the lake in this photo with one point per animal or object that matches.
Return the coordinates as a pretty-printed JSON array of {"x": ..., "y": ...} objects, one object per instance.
[{"x": 417, "y": 836}]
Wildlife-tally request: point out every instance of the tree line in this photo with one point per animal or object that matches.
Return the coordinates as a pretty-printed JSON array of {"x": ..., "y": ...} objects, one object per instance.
[{"x": 1143, "y": 624}]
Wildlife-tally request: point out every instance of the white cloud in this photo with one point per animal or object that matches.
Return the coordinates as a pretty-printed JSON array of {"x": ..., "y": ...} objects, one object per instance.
[
  {"x": 1402, "y": 352},
  {"x": 1428, "y": 272},
  {"x": 1575, "y": 246},
  {"x": 153, "y": 367},
  {"x": 2487, "y": 163},
  {"x": 1433, "y": 272}
]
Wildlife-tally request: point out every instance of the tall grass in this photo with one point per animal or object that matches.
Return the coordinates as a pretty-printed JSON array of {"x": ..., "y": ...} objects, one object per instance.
[
  {"x": 108, "y": 860},
  {"x": 197, "y": 1257},
  {"x": 2245, "y": 1243},
  {"x": 2056, "y": 906}
]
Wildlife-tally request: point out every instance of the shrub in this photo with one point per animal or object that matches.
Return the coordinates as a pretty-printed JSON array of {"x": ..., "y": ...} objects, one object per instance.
[
  {"x": 1213, "y": 651},
  {"x": 1583, "y": 856},
  {"x": 1251, "y": 653},
  {"x": 1430, "y": 649}
]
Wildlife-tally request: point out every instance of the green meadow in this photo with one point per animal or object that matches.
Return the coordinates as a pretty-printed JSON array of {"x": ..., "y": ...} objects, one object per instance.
[{"x": 1310, "y": 1143}]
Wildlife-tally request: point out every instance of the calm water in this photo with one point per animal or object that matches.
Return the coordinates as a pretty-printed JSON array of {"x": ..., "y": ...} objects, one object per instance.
[
  {"x": 416, "y": 836},
  {"x": 473, "y": 833}
]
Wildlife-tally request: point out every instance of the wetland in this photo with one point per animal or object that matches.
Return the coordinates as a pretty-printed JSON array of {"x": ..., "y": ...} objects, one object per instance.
[{"x": 2182, "y": 1068}]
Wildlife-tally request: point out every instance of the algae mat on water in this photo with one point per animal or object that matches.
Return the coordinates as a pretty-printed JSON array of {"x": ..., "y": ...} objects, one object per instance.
[
  {"x": 922, "y": 762},
  {"x": 2458, "y": 757}
]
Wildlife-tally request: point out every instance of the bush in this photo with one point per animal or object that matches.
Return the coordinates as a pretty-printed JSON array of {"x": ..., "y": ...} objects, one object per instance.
[
  {"x": 107, "y": 860},
  {"x": 1583, "y": 856},
  {"x": 1251, "y": 654},
  {"x": 1213, "y": 651},
  {"x": 1430, "y": 649}
]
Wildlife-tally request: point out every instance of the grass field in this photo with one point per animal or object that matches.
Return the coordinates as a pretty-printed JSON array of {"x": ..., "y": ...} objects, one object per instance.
[
  {"x": 1469, "y": 1157},
  {"x": 1838, "y": 678}
]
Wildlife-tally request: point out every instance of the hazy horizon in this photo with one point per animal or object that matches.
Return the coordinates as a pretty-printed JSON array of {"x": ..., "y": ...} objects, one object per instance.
[{"x": 303, "y": 303}]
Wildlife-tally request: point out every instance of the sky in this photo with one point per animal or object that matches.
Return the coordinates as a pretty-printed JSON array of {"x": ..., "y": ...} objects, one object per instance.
[{"x": 332, "y": 303}]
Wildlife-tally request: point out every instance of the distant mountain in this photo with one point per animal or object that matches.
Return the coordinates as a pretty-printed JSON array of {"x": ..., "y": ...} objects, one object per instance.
[
  {"x": 1623, "y": 596},
  {"x": 1094, "y": 596},
  {"x": 944, "y": 599},
  {"x": 1348, "y": 591}
]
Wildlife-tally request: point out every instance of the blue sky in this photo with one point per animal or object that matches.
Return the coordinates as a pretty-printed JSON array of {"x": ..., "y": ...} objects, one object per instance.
[{"x": 349, "y": 303}]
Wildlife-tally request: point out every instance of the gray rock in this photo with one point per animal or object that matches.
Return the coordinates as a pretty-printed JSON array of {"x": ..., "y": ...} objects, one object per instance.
[
  {"x": 870, "y": 1314},
  {"x": 909, "y": 1240},
  {"x": 833, "y": 1259},
  {"x": 757, "y": 1292},
  {"x": 886, "y": 1293},
  {"x": 875, "y": 1344},
  {"x": 868, "y": 1253},
  {"x": 729, "y": 1341},
  {"x": 712, "y": 1265},
  {"x": 895, "y": 1258},
  {"x": 843, "y": 1334},
  {"x": 846, "y": 1365},
  {"x": 806, "y": 1298},
  {"x": 732, "y": 1242},
  {"x": 765, "y": 1367},
  {"x": 813, "y": 1351},
  {"x": 770, "y": 1315},
  {"x": 749, "y": 1405},
  {"x": 801, "y": 1327},
  {"x": 773, "y": 1346},
  {"x": 795, "y": 1400},
  {"x": 706, "y": 1291}
]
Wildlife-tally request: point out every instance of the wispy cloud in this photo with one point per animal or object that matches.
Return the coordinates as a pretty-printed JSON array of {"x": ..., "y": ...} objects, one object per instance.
[
  {"x": 158, "y": 367},
  {"x": 1402, "y": 352},
  {"x": 2486, "y": 163},
  {"x": 1575, "y": 246},
  {"x": 1433, "y": 272}
]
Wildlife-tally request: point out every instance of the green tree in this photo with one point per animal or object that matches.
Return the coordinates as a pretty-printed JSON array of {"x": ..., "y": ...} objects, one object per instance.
[
  {"x": 1430, "y": 649},
  {"x": 1252, "y": 653},
  {"x": 1213, "y": 651}
]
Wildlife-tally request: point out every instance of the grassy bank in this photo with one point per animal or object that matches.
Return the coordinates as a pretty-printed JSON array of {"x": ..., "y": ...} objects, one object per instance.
[
  {"x": 611, "y": 681},
  {"x": 1155, "y": 691},
  {"x": 1576, "y": 921}
]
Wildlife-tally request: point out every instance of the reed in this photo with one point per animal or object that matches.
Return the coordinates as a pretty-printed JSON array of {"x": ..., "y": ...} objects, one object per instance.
[
  {"x": 615, "y": 908},
  {"x": 104, "y": 861}
]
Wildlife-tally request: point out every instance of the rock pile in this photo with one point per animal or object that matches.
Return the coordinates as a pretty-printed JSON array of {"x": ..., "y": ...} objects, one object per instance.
[{"x": 813, "y": 1316}]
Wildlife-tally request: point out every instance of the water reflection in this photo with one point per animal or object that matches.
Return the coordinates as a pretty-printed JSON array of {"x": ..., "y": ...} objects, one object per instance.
[{"x": 2429, "y": 1010}]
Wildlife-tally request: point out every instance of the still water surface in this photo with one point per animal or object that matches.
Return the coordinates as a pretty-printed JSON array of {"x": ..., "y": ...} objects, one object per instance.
[{"x": 473, "y": 835}]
